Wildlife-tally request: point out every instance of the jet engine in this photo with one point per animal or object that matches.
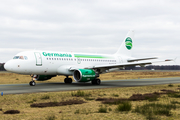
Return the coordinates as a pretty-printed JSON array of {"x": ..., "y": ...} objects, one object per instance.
[{"x": 84, "y": 75}]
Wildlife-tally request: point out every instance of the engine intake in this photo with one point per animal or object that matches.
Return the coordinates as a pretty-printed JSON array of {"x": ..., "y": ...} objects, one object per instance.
[{"x": 84, "y": 75}]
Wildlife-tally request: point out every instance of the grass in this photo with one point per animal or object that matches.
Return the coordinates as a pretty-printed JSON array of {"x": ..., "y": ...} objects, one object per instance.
[
  {"x": 77, "y": 111},
  {"x": 115, "y": 95},
  {"x": 164, "y": 107},
  {"x": 102, "y": 109},
  {"x": 175, "y": 102},
  {"x": 152, "y": 109},
  {"x": 110, "y": 109},
  {"x": 138, "y": 75},
  {"x": 51, "y": 117},
  {"x": 170, "y": 85},
  {"x": 80, "y": 93},
  {"x": 45, "y": 97},
  {"x": 89, "y": 98},
  {"x": 174, "y": 95},
  {"x": 32, "y": 101},
  {"x": 153, "y": 98},
  {"x": 124, "y": 106}
]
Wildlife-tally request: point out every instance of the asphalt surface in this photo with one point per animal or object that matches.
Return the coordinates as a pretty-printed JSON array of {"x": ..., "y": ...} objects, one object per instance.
[{"x": 49, "y": 87}]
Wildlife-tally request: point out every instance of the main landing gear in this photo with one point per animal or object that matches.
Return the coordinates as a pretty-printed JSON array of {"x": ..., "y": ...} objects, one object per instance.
[
  {"x": 32, "y": 83},
  {"x": 68, "y": 80},
  {"x": 96, "y": 82}
]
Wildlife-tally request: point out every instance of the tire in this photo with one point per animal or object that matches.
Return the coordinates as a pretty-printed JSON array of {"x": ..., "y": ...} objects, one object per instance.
[
  {"x": 93, "y": 82},
  {"x": 32, "y": 83},
  {"x": 96, "y": 82},
  {"x": 68, "y": 80}
]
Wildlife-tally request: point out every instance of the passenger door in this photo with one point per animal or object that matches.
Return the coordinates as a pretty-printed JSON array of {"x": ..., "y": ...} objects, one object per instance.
[{"x": 38, "y": 59}]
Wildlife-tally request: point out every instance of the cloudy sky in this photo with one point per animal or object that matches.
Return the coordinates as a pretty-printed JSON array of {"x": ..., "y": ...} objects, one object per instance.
[{"x": 96, "y": 26}]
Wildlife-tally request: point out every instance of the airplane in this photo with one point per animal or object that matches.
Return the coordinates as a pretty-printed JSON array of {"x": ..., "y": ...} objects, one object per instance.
[{"x": 84, "y": 67}]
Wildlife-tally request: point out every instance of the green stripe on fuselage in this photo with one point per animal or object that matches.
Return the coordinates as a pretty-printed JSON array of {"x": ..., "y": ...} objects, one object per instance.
[{"x": 88, "y": 56}]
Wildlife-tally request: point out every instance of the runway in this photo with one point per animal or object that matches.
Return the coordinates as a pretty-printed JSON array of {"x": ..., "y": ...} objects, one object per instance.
[{"x": 51, "y": 87}]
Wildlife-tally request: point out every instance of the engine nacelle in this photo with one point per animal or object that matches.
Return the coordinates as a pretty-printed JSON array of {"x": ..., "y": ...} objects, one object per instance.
[
  {"x": 84, "y": 75},
  {"x": 42, "y": 77}
]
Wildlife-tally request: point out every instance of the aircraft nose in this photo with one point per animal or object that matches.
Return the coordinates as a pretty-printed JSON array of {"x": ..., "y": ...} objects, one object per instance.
[{"x": 8, "y": 65}]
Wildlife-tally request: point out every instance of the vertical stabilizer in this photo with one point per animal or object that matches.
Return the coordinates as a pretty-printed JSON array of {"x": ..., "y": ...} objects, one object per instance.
[{"x": 127, "y": 44}]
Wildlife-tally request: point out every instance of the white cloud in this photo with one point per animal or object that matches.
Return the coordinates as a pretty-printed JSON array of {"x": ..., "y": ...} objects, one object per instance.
[{"x": 89, "y": 26}]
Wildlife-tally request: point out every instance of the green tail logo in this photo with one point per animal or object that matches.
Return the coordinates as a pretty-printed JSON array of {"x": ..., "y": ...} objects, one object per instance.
[{"x": 128, "y": 43}]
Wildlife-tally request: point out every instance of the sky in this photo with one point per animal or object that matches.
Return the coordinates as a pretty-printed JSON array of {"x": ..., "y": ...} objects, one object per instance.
[{"x": 93, "y": 26}]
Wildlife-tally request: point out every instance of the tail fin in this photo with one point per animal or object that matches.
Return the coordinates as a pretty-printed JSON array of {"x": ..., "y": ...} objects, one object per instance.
[{"x": 127, "y": 45}]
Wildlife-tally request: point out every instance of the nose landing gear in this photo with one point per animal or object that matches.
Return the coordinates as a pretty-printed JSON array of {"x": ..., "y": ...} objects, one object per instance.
[{"x": 32, "y": 83}]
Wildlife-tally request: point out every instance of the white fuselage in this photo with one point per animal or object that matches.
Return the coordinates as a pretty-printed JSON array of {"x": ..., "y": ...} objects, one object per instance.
[{"x": 57, "y": 63}]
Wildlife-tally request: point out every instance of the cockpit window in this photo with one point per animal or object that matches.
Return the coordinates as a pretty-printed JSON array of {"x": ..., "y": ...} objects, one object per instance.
[
  {"x": 25, "y": 57},
  {"x": 20, "y": 57}
]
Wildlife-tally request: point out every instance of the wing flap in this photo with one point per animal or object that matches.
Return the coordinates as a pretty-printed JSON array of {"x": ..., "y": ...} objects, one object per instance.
[{"x": 140, "y": 59}]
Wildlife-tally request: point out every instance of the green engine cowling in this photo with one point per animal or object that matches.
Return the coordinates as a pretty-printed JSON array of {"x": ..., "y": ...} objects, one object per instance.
[
  {"x": 42, "y": 77},
  {"x": 84, "y": 75}
]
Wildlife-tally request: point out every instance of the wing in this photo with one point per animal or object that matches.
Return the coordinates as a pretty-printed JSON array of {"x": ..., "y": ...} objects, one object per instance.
[
  {"x": 120, "y": 65},
  {"x": 111, "y": 67}
]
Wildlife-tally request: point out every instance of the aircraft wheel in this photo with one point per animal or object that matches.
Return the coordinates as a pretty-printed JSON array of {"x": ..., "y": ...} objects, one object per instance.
[
  {"x": 68, "y": 80},
  {"x": 96, "y": 82},
  {"x": 93, "y": 82},
  {"x": 32, "y": 83}
]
